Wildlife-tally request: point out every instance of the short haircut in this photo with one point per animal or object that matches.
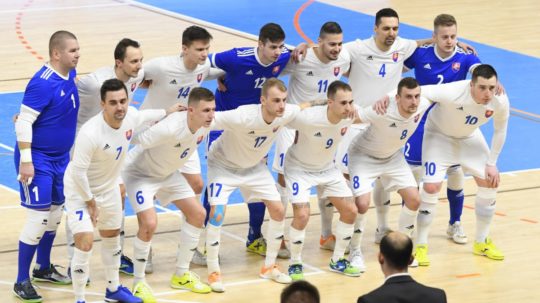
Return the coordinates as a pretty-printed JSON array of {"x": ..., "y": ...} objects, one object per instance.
[
  {"x": 396, "y": 249},
  {"x": 485, "y": 71},
  {"x": 111, "y": 85},
  {"x": 335, "y": 86},
  {"x": 199, "y": 94},
  {"x": 120, "y": 49},
  {"x": 444, "y": 20},
  {"x": 57, "y": 40},
  {"x": 271, "y": 32},
  {"x": 268, "y": 84},
  {"x": 385, "y": 12},
  {"x": 300, "y": 292},
  {"x": 330, "y": 27},
  {"x": 407, "y": 82},
  {"x": 195, "y": 33}
]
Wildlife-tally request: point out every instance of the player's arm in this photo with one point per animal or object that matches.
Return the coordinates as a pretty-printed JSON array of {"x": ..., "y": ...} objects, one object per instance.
[
  {"x": 500, "y": 126},
  {"x": 463, "y": 45},
  {"x": 215, "y": 73},
  {"x": 82, "y": 157},
  {"x": 154, "y": 135},
  {"x": 23, "y": 130}
]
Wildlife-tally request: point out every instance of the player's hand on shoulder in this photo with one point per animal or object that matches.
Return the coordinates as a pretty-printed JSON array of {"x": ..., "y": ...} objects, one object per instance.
[
  {"x": 221, "y": 84},
  {"x": 177, "y": 107},
  {"x": 26, "y": 172},
  {"x": 381, "y": 105},
  {"x": 467, "y": 47},
  {"x": 492, "y": 176},
  {"x": 499, "y": 89},
  {"x": 145, "y": 84},
  {"x": 300, "y": 52},
  {"x": 15, "y": 117}
]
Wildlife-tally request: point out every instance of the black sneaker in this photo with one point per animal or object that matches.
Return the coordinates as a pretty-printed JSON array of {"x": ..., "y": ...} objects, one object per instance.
[
  {"x": 26, "y": 292},
  {"x": 50, "y": 275}
]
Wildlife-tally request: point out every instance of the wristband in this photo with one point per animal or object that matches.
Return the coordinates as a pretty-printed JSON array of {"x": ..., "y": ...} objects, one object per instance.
[{"x": 26, "y": 155}]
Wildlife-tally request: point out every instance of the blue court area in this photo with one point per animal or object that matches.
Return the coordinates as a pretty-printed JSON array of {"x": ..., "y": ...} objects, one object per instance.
[{"x": 518, "y": 73}]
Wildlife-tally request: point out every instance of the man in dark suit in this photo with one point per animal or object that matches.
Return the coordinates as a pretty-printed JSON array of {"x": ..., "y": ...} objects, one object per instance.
[{"x": 399, "y": 287}]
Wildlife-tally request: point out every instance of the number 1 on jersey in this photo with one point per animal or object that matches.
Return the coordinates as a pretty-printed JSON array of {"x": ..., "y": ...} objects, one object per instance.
[{"x": 323, "y": 85}]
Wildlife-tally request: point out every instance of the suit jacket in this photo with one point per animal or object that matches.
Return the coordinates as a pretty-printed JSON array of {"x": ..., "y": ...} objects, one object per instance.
[{"x": 404, "y": 289}]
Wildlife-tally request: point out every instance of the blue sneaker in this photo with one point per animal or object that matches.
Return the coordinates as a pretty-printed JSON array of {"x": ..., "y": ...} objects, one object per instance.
[
  {"x": 343, "y": 266},
  {"x": 126, "y": 265},
  {"x": 122, "y": 294}
]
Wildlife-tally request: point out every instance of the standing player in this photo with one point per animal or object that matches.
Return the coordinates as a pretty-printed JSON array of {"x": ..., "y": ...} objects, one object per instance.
[
  {"x": 451, "y": 137},
  {"x": 376, "y": 153},
  {"x": 45, "y": 132},
  {"x": 237, "y": 160},
  {"x": 441, "y": 62},
  {"x": 309, "y": 81},
  {"x": 128, "y": 69},
  {"x": 310, "y": 162},
  {"x": 170, "y": 80},
  {"x": 247, "y": 69},
  {"x": 152, "y": 171},
  {"x": 93, "y": 198}
]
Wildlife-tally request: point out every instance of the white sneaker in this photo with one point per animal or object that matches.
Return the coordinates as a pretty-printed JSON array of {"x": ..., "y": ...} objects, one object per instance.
[
  {"x": 214, "y": 281},
  {"x": 455, "y": 232},
  {"x": 273, "y": 273},
  {"x": 414, "y": 263},
  {"x": 379, "y": 234},
  {"x": 357, "y": 259},
  {"x": 149, "y": 264},
  {"x": 199, "y": 258}
]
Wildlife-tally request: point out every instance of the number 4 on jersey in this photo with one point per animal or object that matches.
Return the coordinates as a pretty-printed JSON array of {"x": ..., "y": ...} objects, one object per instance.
[{"x": 382, "y": 71}]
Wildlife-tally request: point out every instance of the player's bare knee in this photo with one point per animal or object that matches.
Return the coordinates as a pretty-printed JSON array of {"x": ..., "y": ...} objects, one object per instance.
[{"x": 432, "y": 188}]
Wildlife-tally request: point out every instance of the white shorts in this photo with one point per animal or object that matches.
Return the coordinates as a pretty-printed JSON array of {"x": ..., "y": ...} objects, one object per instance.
[
  {"x": 439, "y": 152},
  {"x": 342, "y": 155},
  {"x": 192, "y": 165},
  {"x": 110, "y": 214},
  {"x": 255, "y": 183},
  {"x": 285, "y": 139},
  {"x": 394, "y": 173},
  {"x": 330, "y": 183},
  {"x": 142, "y": 190}
]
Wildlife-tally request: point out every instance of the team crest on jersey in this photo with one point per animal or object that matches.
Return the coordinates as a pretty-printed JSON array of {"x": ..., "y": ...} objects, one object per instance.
[
  {"x": 129, "y": 133},
  {"x": 275, "y": 70},
  {"x": 456, "y": 66},
  {"x": 395, "y": 56},
  {"x": 489, "y": 113},
  {"x": 416, "y": 118},
  {"x": 336, "y": 71},
  {"x": 199, "y": 140},
  {"x": 343, "y": 131},
  {"x": 199, "y": 77},
  {"x": 275, "y": 129},
  {"x": 133, "y": 86}
]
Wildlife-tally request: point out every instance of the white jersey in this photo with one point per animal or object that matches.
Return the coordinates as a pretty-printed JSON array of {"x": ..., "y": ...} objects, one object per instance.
[
  {"x": 373, "y": 72},
  {"x": 316, "y": 139},
  {"x": 460, "y": 115},
  {"x": 247, "y": 138},
  {"x": 386, "y": 133},
  {"x": 100, "y": 151},
  {"x": 171, "y": 81},
  {"x": 89, "y": 91},
  {"x": 310, "y": 78},
  {"x": 165, "y": 147}
]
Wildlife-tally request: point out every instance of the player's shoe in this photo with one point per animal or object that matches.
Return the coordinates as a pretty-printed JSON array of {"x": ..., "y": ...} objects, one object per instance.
[
  {"x": 379, "y": 234},
  {"x": 126, "y": 265},
  {"x": 50, "y": 275},
  {"x": 26, "y": 292},
  {"x": 296, "y": 272},
  {"x": 283, "y": 252},
  {"x": 357, "y": 260},
  {"x": 488, "y": 249},
  {"x": 414, "y": 263},
  {"x": 421, "y": 255},
  {"x": 273, "y": 273},
  {"x": 343, "y": 266},
  {"x": 456, "y": 233},
  {"x": 144, "y": 292},
  {"x": 149, "y": 264},
  {"x": 257, "y": 246},
  {"x": 327, "y": 243},
  {"x": 122, "y": 294},
  {"x": 69, "y": 275},
  {"x": 199, "y": 258},
  {"x": 214, "y": 280},
  {"x": 190, "y": 281}
]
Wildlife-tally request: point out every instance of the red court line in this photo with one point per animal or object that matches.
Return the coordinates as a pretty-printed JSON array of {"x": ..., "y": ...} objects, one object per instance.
[
  {"x": 496, "y": 213},
  {"x": 20, "y": 34},
  {"x": 297, "y": 24},
  {"x": 468, "y": 275},
  {"x": 529, "y": 220}
]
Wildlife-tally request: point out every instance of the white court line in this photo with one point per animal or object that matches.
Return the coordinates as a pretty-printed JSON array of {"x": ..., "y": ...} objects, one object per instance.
[
  {"x": 12, "y": 92},
  {"x": 11, "y": 149},
  {"x": 61, "y": 8}
]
